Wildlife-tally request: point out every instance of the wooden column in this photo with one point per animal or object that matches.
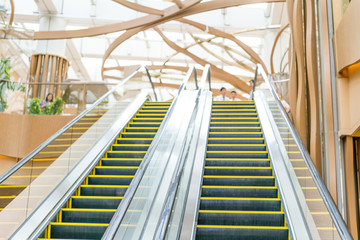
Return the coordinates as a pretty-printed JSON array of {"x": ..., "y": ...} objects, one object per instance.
[
  {"x": 352, "y": 204},
  {"x": 47, "y": 68}
]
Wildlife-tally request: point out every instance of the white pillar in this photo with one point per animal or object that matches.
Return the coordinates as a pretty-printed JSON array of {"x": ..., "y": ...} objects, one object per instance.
[{"x": 54, "y": 47}]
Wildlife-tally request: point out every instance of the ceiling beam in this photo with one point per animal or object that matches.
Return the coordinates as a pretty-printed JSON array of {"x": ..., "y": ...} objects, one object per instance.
[{"x": 74, "y": 57}]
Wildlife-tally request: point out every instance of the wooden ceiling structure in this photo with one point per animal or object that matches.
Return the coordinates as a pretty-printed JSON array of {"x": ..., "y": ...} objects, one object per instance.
[{"x": 244, "y": 57}]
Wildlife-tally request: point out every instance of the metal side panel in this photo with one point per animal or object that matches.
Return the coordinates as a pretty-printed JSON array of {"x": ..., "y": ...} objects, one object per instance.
[
  {"x": 40, "y": 218},
  {"x": 292, "y": 208},
  {"x": 188, "y": 229}
]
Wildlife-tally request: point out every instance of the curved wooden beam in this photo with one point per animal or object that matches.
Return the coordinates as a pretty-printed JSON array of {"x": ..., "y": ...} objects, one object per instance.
[
  {"x": 200, "y": 44},
  {"x": 311, "y": 67},
  {"x": 178, "y": 3},
  {"x": 140, "y": 8},
  {"x": 12, "y": 13},
  {"x": 217, "y": 32},
  {"x": 273, "y": 47},
  {"x": 171, "y": 13},
  {"x": 245, "y": 67},
  {"x": 236, "y": 82}
]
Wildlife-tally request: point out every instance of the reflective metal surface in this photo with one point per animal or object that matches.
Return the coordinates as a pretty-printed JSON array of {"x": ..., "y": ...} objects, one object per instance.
[{"x": 319, "y": 210}]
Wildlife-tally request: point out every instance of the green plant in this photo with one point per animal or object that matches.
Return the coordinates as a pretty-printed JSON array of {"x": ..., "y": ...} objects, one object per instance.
[
  {"x": 33, "y": 106},
  {"x": 5, "y": 75},
  {"x": 54, "y": 108}
]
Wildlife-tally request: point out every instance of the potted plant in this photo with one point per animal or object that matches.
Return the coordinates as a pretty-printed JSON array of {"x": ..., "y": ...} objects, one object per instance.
[{"x": 53, "y": 108}]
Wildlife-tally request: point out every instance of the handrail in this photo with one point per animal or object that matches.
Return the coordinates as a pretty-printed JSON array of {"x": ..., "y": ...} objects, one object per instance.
[
  {"x": 254, "y": 85},
  {"x": 21, "y": 163},
  {"x": 330, "y": 205},
  {"x": 205, "y": 76},
  {"x": 161, "y": 228},
  {"x": 129, "y": 194}
]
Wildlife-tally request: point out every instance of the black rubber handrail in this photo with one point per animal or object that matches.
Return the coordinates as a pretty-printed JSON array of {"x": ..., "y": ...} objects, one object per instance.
[
  {"x": 329, "y": 203},
  {"x": 28, "y": 157}
]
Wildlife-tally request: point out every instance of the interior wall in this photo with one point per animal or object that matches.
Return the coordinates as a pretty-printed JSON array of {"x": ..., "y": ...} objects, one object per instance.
[{"x": 20, "y": 134}]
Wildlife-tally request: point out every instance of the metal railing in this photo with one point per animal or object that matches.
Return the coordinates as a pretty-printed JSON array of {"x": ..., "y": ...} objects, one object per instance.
[
  {"x": 125, "y": 202},
  {"x": 26, "y": 159},
  {"x": 329, "y": 203}
]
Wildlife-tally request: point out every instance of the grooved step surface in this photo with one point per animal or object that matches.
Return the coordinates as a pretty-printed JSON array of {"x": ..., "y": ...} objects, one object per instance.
[
  {"x": 89, "y": 211},
  {"x": 239, "y": 198}
]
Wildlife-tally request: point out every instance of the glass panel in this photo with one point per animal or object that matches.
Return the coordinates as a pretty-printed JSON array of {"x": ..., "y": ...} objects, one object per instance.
[
  {"x": 314, "y": 209},
  {"x": 29, "y": 186},
  {"x": 138, "y": 212}
]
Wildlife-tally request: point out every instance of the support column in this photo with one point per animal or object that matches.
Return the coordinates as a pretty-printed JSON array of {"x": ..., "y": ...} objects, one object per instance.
[{"x": 49, "y": 65}]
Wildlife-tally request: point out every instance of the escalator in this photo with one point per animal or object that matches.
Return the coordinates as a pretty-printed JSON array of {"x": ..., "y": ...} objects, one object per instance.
[
  {"x": 239, "y": 195},
  {"x": 89, "y": 211},
  {"x": 38, "y": 164}
]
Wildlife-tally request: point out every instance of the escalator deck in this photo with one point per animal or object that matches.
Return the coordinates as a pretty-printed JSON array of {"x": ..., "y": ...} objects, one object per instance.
[
  {"x": 89, "y": 211},
  {"x": 239, "y": 198}
]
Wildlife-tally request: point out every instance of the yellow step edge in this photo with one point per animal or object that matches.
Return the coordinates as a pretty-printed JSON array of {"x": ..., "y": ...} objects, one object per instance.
[
  {"x": 104, "y": 186},
  {"x": 142, "y": 128},
  {"x": 234, "y": 110},
  {"x": 6, "y": 197},
  {"x": 134, "y": 139},
  {"x": 237, "y": 145},
  {"x": 255, "y": 177},
  {"x": 145, "y": 123},
  {"x": 87, "y": 210},
  {"x": 130, "y": 145},
  {"x": 236, "y": 151},
  {"x": 237, "y": 159},
  {"x": 144, "y": 114},
  {"x": 112, "y": 176},
  {"x": 234, "y": 122},
  {"x": 79, "y": 224},
  {"x": 239, "y": 199},
  {"x": 238, "y": 187},
  {"x": 13, "y": 186},
  {"x": 43, "y": 159},
  {"x": 122, "y": 159},
  {"x": 126, "y": 151},
  {"x": 240, "y": 227},
  {"x": 138, "y": 133},
  {"x": 246, "y": 212},
  {"x": 96, "y": 197},
  {"x": 236, "y": 133},
  {"x": 135, "y": 118},
  {"x": 117, "y": 167},
  {"x": 227, "y": 138},
  {"x": 255, "y": 168},
  {"x": 235, "y": 127}
]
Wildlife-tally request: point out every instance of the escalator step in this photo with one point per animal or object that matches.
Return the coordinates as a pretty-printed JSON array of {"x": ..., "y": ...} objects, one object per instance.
[
  {"x": 120, "y": 162},
  {"x": 235, "y": 135},
  {"x": 87, "y": 215},
  {"x": 236, "y": 147},
  {"x": 239, "y": 192},
  {"x": 109, "y": 179},
  {"x": 238, "y": 171},
  {"x": 240, "y": 204},
  {"x": 126, "y": 154},
  {"x": 130, "y": 147},
  {"x": 241, "y": 232},
  {"x": 238, "y": 181},
  {"x": 115, "y": 170},
  {"x": 95, "y": 202},
  {"x": 237, "y": 162},
  {"x": 237, "y": 154},
  {"x": 142, "y": 129},
  {"x": 243, "y": 218},
  {"x": 235, "y": 141},
  {"x": 235, "y": 119},
  {"x": 235, "y": 129},
  {"x": 77, "y": 230},
  {"x": 103, "y": 190},
  {"x": 134, "y": 141}
]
